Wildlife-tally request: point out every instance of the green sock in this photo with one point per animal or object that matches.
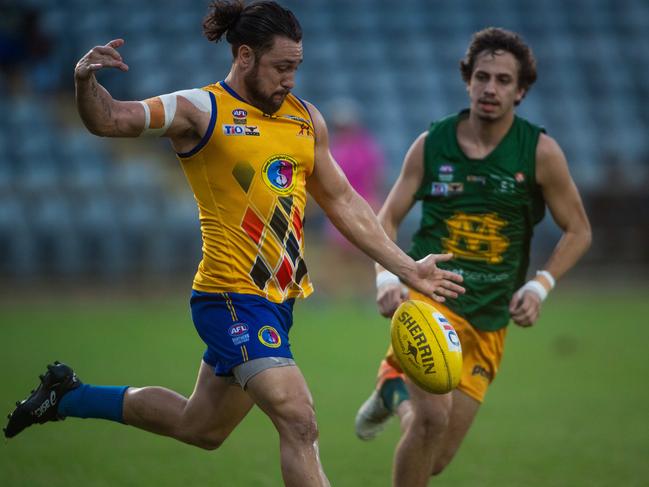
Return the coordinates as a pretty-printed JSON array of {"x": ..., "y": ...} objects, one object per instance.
[{"x": 394, "y": 392}]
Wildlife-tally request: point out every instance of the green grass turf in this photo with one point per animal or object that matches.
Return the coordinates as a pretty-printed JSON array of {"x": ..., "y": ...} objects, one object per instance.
[{"x": 569, "y": 407}]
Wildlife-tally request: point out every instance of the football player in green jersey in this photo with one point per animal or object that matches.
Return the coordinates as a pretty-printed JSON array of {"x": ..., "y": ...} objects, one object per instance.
[{"x": 484, "y": 177}]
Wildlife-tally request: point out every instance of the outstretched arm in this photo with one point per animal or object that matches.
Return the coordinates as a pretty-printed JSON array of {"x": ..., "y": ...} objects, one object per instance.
[
  {"x": 105, "y": 116},
  {"x": 390, "y": 293},
  {"x": 357, "y": 222},
  {"x": 563, "y": 199}
]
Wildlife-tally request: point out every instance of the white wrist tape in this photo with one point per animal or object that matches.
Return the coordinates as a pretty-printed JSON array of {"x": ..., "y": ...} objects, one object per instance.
[
  {"x": 548, "y": 277},
  {"x": 386, "y": 277},
  {"x": 533, "y": 286}
]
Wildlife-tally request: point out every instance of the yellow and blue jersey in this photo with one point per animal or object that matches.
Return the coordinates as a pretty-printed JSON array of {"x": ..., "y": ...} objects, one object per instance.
[{"x": 248, "y": 175}]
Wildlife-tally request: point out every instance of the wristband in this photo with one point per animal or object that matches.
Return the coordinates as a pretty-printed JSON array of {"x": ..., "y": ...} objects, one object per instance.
[
  {"x": 536, "y": 287},
  {"x": 548, "y": 277},
  {"x": 386, "y": 277}
]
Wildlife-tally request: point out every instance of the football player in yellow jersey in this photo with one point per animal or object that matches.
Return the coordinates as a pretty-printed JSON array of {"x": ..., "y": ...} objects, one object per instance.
[{"x": 250, "y": 150}]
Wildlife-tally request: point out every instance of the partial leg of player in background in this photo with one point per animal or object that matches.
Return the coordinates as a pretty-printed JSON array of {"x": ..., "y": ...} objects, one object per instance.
[
  {"x": 376, "y": 411},
  {"x": 446, "y": 440},
  {"x": 463, "y": 412},
  {"x": 431, "y": 436},
  {"x": 423, "y": 429}
]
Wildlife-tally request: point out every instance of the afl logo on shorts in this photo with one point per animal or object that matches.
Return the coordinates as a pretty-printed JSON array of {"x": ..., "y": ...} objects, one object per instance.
[
  {"x": 238, "y": 329},
  {"x": 279, "y": 174},
  {"x": 269, "y": 337},
  {"x": 239, "y": 333}
]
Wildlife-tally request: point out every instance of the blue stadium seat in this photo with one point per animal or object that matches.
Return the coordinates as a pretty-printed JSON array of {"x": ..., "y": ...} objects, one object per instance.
[{"x": 591, "y": 94}]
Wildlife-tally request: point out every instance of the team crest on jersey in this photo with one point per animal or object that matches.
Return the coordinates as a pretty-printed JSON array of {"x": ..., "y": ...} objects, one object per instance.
[
  {"x": 279, "y": 173},
  {"x": 268, "y": 336},
  {"x": 240, "y": 116},
  {"x": 519, "y": 177},
  {"x": 476, "y": 237}
]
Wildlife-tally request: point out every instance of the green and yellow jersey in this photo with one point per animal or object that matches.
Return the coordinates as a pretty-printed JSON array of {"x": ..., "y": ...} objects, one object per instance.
[{"x": 483, "y": 211}]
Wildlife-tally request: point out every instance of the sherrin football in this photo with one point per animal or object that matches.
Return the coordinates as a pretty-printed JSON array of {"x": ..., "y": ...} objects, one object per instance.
[{"x": 427, "y": 346}]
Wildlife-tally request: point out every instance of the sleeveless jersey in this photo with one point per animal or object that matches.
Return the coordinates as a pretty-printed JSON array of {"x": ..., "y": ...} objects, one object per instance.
[
  {"x": 483, "y": 211},
  {"x": 248, "y": 177}
]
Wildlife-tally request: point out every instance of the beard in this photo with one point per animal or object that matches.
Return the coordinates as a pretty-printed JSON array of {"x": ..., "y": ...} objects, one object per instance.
[{"x": 267, "y": 104}]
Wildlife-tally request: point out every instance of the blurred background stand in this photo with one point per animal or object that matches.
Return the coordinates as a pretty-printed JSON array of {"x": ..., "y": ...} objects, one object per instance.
[{"x": 74, "y": 207}]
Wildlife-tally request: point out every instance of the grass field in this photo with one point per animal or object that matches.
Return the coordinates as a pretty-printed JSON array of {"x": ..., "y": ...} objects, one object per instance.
[{"x": 570, "y": 407}]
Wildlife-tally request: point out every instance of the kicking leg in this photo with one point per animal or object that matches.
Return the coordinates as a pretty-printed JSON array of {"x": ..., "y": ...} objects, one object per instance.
[
  {"x": 42, "y": 403},
  {"x": 205, "y": 419},
  {"x": 210, "y": 414}
]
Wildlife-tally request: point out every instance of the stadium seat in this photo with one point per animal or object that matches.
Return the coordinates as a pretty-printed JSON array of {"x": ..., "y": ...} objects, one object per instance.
[{"x": 591, "y": 95}]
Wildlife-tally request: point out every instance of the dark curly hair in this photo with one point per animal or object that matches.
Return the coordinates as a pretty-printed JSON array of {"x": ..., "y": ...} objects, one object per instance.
[
  {"x": 254, "y": 25},
  {"x": 493, "y": 39}
]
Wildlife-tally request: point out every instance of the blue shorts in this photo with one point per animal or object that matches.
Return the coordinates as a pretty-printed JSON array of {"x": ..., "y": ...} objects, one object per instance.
[{"x": 240, "y": 327}]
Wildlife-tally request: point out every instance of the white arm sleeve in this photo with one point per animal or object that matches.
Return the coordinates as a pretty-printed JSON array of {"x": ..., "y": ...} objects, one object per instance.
[{"x": 159, "y": 112}]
